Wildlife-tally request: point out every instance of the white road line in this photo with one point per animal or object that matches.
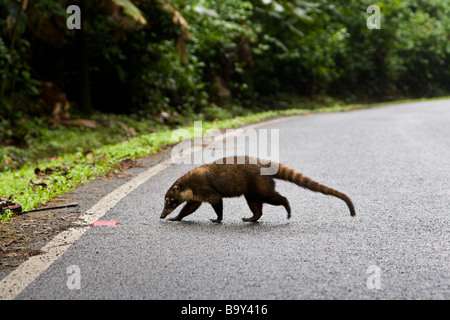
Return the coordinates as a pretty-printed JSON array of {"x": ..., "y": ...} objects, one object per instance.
[{"x": 22, "y": 276}]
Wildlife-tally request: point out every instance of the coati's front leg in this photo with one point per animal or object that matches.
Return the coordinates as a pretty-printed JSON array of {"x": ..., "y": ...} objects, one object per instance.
[
  {"x": 256, "y": 207},
  {"x": 188, "y": 208},
  {"x": 218, "y": 208}
]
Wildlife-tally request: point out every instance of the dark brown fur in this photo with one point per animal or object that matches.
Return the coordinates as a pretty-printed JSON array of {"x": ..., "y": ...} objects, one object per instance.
[{"x": 212, "y": 182}]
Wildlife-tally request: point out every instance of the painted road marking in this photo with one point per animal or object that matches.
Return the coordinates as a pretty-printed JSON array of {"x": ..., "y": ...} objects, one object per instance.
[{"x": 105, "y": 223}]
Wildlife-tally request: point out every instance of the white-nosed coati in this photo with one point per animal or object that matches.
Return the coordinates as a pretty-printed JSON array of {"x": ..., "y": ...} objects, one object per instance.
[{"x": 214, "y": 181}]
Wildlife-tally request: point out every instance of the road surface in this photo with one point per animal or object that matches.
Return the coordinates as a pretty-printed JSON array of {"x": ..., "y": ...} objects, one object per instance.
[{"x": 392, "y": 161}]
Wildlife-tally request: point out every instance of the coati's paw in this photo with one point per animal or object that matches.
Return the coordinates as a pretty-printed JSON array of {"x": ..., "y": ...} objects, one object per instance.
[
  {"x": 216, "y": 220},
  {"x": 174, "y": 219},
  {"x": 249, "y": 219}
]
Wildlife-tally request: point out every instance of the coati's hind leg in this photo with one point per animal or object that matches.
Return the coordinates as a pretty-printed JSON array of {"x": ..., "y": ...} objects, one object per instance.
[
  {"x": 255, "y": 207},
  {"x": 218, "y": 208},
  {"x": 188, "y": 208},
  {"x": 277, "y": 199}
]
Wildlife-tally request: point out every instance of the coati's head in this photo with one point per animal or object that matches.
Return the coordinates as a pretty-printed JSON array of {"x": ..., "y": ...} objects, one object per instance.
[{"x": 172, "y": 200}]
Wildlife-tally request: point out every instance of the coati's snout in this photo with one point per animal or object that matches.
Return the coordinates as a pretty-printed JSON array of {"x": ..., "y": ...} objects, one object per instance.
[{"x": 165, "y": 213}]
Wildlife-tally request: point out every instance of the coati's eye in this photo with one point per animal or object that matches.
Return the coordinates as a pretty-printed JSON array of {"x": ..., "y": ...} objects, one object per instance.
[{"x": 170, "y": 201}]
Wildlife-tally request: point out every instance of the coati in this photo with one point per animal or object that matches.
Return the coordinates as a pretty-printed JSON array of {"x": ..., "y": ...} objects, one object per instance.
[{"x": 214, "y": 181}]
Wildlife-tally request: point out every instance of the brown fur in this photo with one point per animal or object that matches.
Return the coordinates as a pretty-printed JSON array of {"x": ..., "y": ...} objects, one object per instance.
[{"x": 214, "y": 181}]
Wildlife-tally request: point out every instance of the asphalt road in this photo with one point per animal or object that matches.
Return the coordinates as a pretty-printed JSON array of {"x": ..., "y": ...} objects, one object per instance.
[{"x": 392, "y": 161}]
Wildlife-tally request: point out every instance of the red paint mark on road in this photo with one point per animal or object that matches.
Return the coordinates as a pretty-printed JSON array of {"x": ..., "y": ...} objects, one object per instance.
[{"x": 105, "y": 223}]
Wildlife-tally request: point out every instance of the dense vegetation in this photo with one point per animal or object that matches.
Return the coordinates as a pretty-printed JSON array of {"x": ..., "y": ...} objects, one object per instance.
[{"x": 165, "y": 62}]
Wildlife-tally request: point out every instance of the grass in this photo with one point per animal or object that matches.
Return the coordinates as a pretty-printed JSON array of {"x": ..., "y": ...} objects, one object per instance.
[{"x": 74, "y": 168}]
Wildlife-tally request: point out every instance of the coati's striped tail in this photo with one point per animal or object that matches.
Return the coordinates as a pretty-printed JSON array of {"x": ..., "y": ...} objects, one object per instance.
[{"x": 288, "y": 174}]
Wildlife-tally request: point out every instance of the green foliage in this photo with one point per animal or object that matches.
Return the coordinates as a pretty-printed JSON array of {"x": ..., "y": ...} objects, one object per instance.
[
  {"x": 297, "y": 47},
  {"x": 15, "y": 73},
  {"x": 424, "y": 50},
  {"x": 184, "y": 56},
  {"x": 406, "y": 57}
]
